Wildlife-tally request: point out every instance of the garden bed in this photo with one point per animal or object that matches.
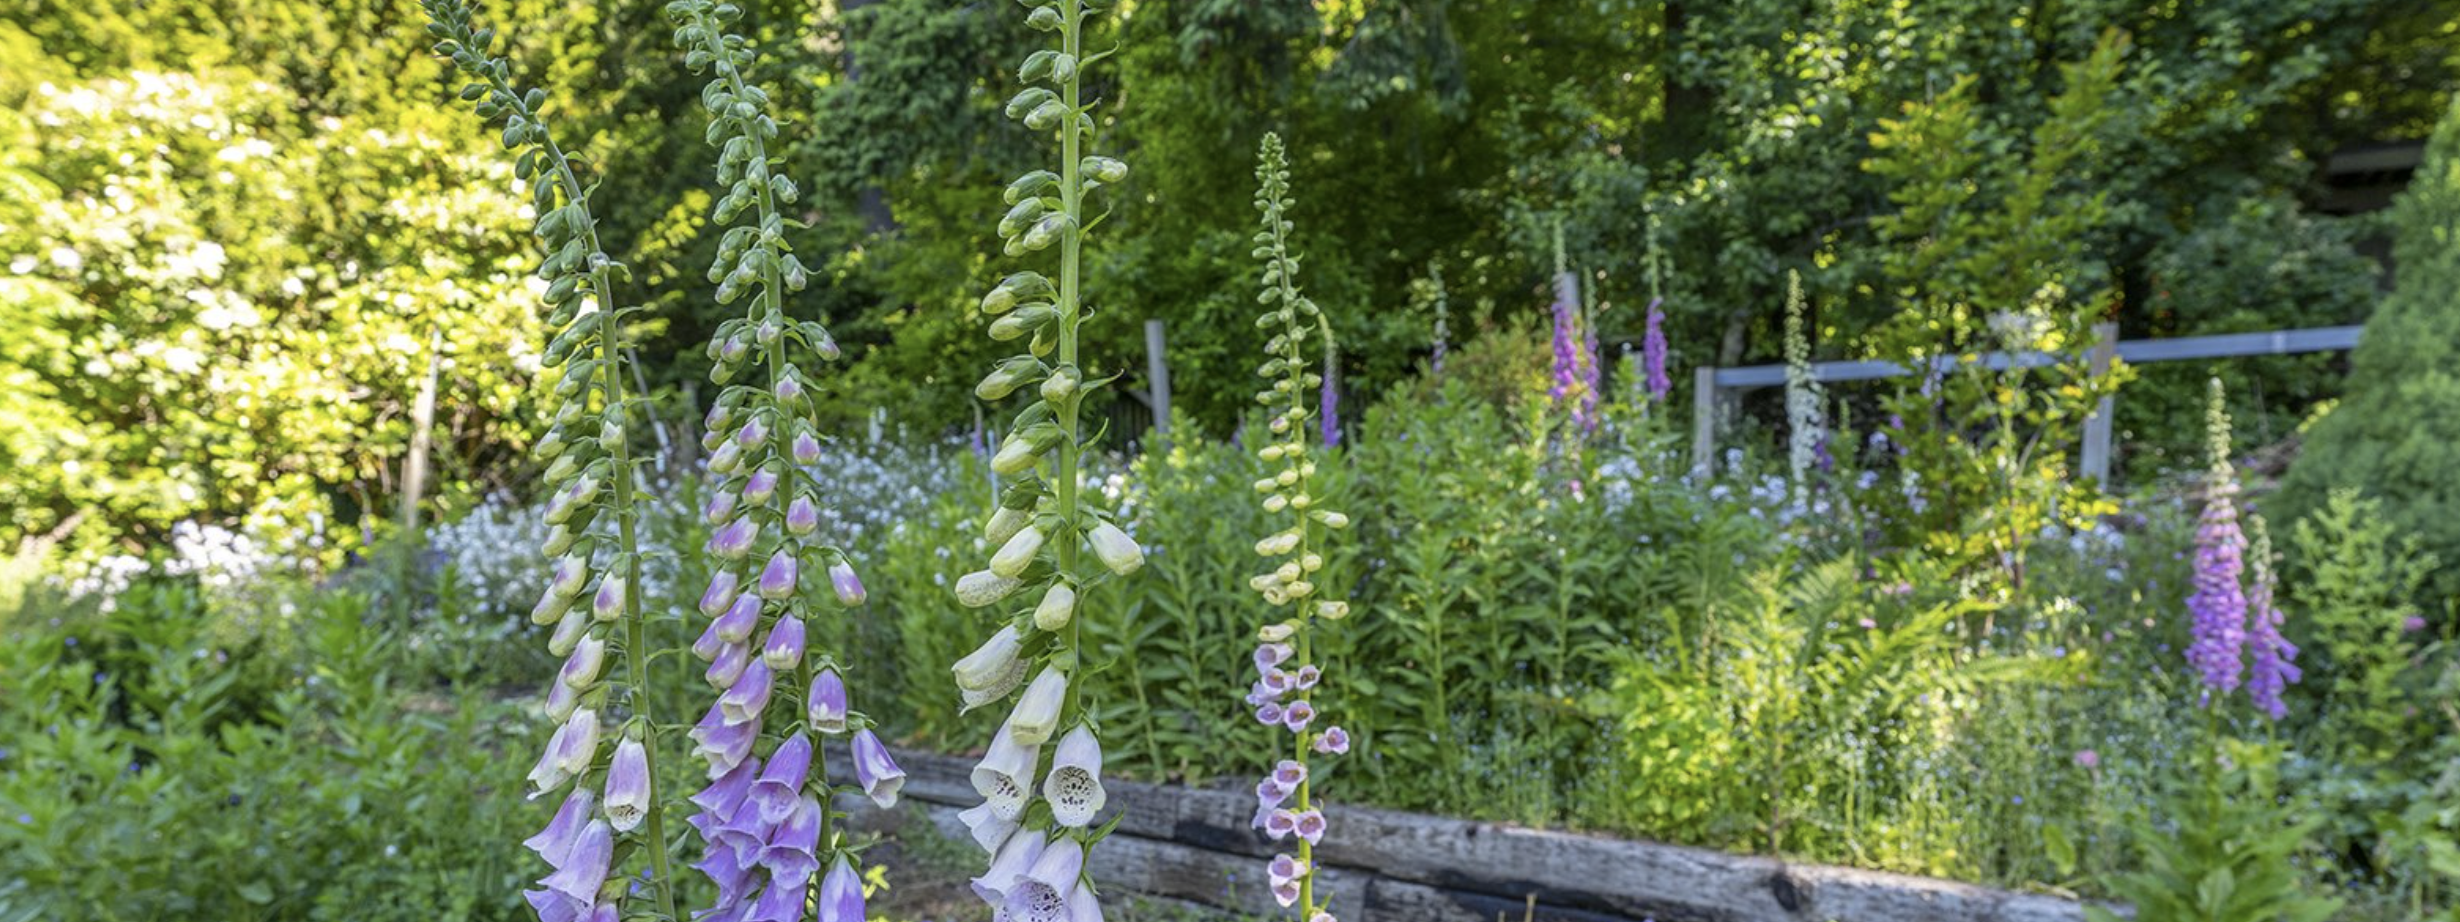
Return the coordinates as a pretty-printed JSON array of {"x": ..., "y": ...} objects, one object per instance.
[{"x": 1195, "y": 845}]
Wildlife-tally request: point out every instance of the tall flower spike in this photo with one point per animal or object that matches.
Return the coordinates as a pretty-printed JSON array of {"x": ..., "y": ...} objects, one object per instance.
[
  {"x": 591, "y": 480},
  {"x": 1286, "y": 673},
  {"x": 769, "y": 556},
  {"x": 2218, "y": 602},
  {"x": 2273, "y": 665},
  {"x": 1805, "y": 426},
  {"x": 1042, "y": 528}
]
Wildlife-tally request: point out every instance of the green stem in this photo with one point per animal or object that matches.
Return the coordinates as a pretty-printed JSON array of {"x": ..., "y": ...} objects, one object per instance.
[{"x": 1071, "y": 243}]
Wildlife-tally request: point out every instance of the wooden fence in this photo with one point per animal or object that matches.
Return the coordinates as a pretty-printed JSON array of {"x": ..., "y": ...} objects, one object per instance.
[{"x": 1194, "y": 845}]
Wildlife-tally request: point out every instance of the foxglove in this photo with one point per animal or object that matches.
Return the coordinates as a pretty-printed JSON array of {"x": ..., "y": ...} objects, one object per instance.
[
  {"x": 1286, "y": 673},
  {"x": 2218, "y": 603},
  {"x": 1806, "y": 428}
]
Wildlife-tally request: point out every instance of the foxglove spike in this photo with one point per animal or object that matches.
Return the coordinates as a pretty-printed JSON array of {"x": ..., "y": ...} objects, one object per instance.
[{"x": 875, "y": 770}]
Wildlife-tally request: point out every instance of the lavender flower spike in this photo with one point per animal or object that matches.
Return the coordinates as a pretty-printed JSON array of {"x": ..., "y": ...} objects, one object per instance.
[
  {"x": 1653, "y": 353},
  {"x": 1074, "y": 786},
  {"x": 2274, "y": 661},
  {"x": 875, "y": 770},
  {"x": 627, "y": 786},
  {"x": 841, "y": 894},
  {"x": 2218, "y": 605}
]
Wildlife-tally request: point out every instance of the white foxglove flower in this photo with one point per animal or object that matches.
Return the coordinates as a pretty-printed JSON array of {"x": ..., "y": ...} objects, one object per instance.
[
  {"x": 992, "y": 670},
  {"x": 1115, "y": 549},
  {"x": 1037, "y": 712},
  {"x": 986, "y": 827},
  {"x": 1008, "y": 867},
  {"x": 1074, "y": 786},
  {"x": 1057, "y": 608},
  {"x": 1018, "y": 553},
  {"x": 1004, "y": 777},
  {"x": 983, "y": 587},
  {"x": 1041, "y": 895}
]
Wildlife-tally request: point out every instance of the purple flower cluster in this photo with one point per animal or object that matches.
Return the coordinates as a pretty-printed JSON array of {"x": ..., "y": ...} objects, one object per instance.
[
  {"x": 2233, "y": 624},
  {"x": 1576, "y": 368},
  {"x": 2273, "y": 666},
  {"x": 1284, "y": 808},
  {"x": 1331, "y": 412},
  {"x": 1653, "y": 353}
]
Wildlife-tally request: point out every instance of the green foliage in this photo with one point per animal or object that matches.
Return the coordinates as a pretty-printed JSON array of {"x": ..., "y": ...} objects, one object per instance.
[
  {"x": 2359, "y": 576},
  {"x": 2393, "y": 437},
  {"x": 2224, "y": 850}
]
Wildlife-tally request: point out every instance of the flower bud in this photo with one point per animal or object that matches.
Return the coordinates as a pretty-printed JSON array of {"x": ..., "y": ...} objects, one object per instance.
[
  {"x": 806, "y": 449},
  {"x": 568, "y": 632},
  {"x": 1004, "y": 524},
  {"x": 802, "y": 516},
  {"x": 827, "y": 710},
  {"x": 983, "y": 587},
  {"x": 789, "y": 389},
  {"x": 720, "y": 594},
  {"x": 559, "y": 539},
  {"x": 721, "y": 507},
  {"x": 761, "y": 485},
  {"x": 777, "y": 580},
  {"x": 609, "y": 603},
  {"x": 735, "y": 626},
  {"x": 753, "y": 435},
  {"x": 849, "y": 586},
  {"x": 1333, "y": 520},
  {"x": 611, "y": 432},
  {"x": 1037, "y": 713},
  {"x": 726, "y": 458},
  {"x": 727, "y": 667},
  {"x": 1018, "y": 552},
  {"x": 1057, "y": 607},
  {"x": 1103, "y": 169},
  {"x": 1060, "y": 385},
  {"x": 1115, "y": 549},
  {"x": 784, "y": 649},
  {"x": 735, "y": 539},
  {"x": 993, "y": 664},
  {"x": 564, "y": 467},
  {"x": 1007, "y": 376},
  {"x": 1046, "y": 116},
  {"x": 1333, "y": 609},
  {"x": 581, "y": 669},
  {"x": 1276, "y": 633},
  {"x": 1024, "y": 320}
]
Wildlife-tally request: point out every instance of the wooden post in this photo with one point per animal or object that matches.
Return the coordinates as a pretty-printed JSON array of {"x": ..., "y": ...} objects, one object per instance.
[
  {"x": 422, "y": 420},
  {"x": 2097, "y": 425},
  {"x": 1705, "y": 405},
  {"x": 1157, "y": 369}
]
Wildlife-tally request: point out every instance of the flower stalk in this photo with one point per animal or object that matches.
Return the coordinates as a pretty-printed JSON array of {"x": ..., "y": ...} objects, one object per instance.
[
  {"x": 583, "y": 451},
  {"x": 1287, "y": 674}
]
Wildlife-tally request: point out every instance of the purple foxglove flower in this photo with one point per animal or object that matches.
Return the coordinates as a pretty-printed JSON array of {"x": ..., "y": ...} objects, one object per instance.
[
  {"x": 722, "y": 744},
  {"x": 1289, "y": 774},
  {"x": 806, "y": 449},
  {"x": 784, "y": 650},
  {"x": 1567, "y": 336},
  {"x": 721, "y": 593},
  {"x": 735, "y": 539},
  {"x": 551, "y": 607},
  {"x": 1269, "y": 713},
  {"x": 1037, "y": 711},
  {"x": 1005, "y": 775},
  {"x": 585, "y": 866},
  {"x": 1278, "y": 682},
  {"x": 555, "y": 842},
  {"x": 736, "y": 625},
  {"x": 727, "y": 667},
  {"x": 841, "y": 893},
  {"x": 745, "y": 833},
  {"x": 1280, "y": 823},
  {"x": 986, "y": 827},
  {"x": 581, "y": 669},
  {"x": 728, "y": 791},
  {"x": 1329, "y": 408},
  {"x": 1307, "y": 676},
  {"x": 733, "y": 877},
  {"x": 570, "y": 573},
  {"x": 710, "y": 644},
  {"x": 849, "y": 586},
  {"x": 793, "y": 852},
  {"x": 1334, "y": 741},
  {"x": 1041, "y": 893},
  {"x": 1083, "y": 906},
  {"x": 1116, "y": 550},
  {"x": 1074, "y": 786},
  {"x": 1271, "y": 655},
  {"x": 627, "y": 786},
  {"x": 1259, "y": 693},
  {"x": 1007, "y": 867},
  {"x": 2217, "y": 603},
  {"x": 782, "y": 781},
  {"x": 752, "y": 436},
  {"x": 802, "y": 516},
  {"x": 779, "y": 903},
  {"x": 1653, "y": 353},
  {"x": 788, "y": 390},
  {"x": 1285, "y": 869},
  {"x": 1286, "y": 893},
  {"x": 1310, "y": 826},
  {"x": 569, "y": 752},
  {"x": 608, "y": 605},
  {"x": 875, "y": 770},
  {"x": 551, "y": 906},
  {"x": 758, "y": 487},
  {"x": 826, "y": 705},
  {"x": 778, "y": 578},
  {"x": 720, "y": 508},
  {"x": 1270, "y": 792}
]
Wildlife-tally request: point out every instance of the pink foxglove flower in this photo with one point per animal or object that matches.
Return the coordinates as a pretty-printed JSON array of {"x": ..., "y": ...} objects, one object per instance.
[{"x": 875, "y": 770}]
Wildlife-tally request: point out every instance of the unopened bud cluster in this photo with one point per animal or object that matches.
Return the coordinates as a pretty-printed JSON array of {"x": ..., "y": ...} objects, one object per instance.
[
  {"x": 769, "y": 830},
  {"x": 1035, "y": 823},
  {"x": 1286, "y": 674}
]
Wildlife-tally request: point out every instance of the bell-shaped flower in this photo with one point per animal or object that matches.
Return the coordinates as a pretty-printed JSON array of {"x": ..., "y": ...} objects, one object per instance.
[
  {"x": 734, "y": 877},
  {"x": 585, "y": 866},
  {"x": 849, "y": 587},
  {"x": 561, "y": 700},
  {"x": 1004, "y": 523},
  {"x": 1270, "y": 656},
  {"x": 568, "y": 575},
  {"x": 1306, "y": 677},
  {"x": 826, "y": 705},
  {"x": 784, "y": 649},
  {"x": 1322, "y": 916},
  {"x": 1074, "y": 786},
  {"x": 723, "y": 744},
  {"x": 745, "y": 833},
  {"x": 743, "y": 702},
  {"x": 728, "y": 791},
  {"x": 1018, "y": 553},
  {"x": 1289, "y": 774},
  {"x": 802, "y": 516},
  {"x": 992, "y": 670},
  {"x": 777, "y": 579},
  {"x": 569, "y": 752},
  {"x": 1037, "y": 712},
  {"x": 1269, "y": 713},
  {"x": 1309, "y": 826},
  {"x": 720, "y": 508},
  {"x": 875, "y": 770},
  {"x": 841, "y": 893},
  {"x": 1280, "y": 823},
  {"x": 779, "y": 903},
  {"x": 1004, "y": 777},
  {"x": 1285, "y": 869},
  {"x": 581, "y": 669},
  {"x": 1115, "y": 549},
  {"x": 1334, "y": 741},
  {"x": 983, "y": 587},
  {"x": 806, "y": 449},
  {"x": 550, "y": 906},
  {"x": 793, "y": 851},
  {"x": 740, "y": 619},
  {"x": 1270, "y": 792},
  {"x": 627, "y": 786},
  {"x": 727, "y": 668},
  {"x": 608, "y": 604},
  {"x": 1297, "y": 715},
  {"x": 1041, "y": 895},
  {"x": 1058, "y": 606},
  {"x": 1287, "y": 893},
  {"x": 551, "y": 607},
  {"x": 782, "y": 781},
  {"x": 555, "y": 841},
  {"x": 1083, "y": 906},
  {"x": 1008, "y": 866},
  {"x": 986, "y": 827},
  {"x": 734, "y": 539},
  {"x": 720, "y": 594}
]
